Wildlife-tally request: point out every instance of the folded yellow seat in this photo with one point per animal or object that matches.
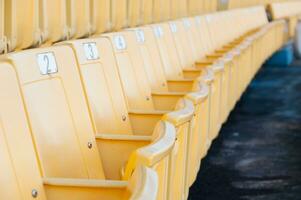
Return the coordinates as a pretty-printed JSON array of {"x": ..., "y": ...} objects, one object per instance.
[
  {"x": 141, "y": 45},
  {"x": 141, "y": 103},
  {"x": 119, "y": 14},
  {"x": 161, "y": 10},
  {"x": 196, "y": 7},
  {"x": 54, "y": 70},
  {"x": 52, "y": 164},
  {"x": 101, "y": 79},
  {"x": 78, "y": 18},
  {"x": 159, "y": 63},
  {"x": 53, "y": 27},
  {"x": 2, "y": 37},
  {"x": 176, "y": 64},
  {"x": 146, "y": 10},
  {"x": 100, "y": 12},
  {"x": 22, "y": 24},
  {"x": 134, "y": 13}
]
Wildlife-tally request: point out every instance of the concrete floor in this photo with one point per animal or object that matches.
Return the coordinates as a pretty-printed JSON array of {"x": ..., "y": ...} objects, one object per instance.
[{"x": 258, "y": 153}]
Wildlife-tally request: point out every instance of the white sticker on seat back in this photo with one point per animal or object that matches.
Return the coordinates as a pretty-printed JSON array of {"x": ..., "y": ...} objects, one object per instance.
[
  {"x": 158, "y": 31},
  {"x": 140, "y": 36},
  {"x": 186, "y": 23},
  {"x": 119, "y": 42},
  {"x": 47, "y": 63},
  {"x": 91, "y": 51},
  {"x": 173, "y": 27}
]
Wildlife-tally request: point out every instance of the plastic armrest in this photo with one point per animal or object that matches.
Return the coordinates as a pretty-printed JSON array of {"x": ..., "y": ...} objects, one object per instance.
[{"x": 154, "y": 153}]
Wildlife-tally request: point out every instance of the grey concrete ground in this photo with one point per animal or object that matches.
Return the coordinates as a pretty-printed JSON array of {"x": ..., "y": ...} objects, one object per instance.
[{"x": 258, "y": 154}]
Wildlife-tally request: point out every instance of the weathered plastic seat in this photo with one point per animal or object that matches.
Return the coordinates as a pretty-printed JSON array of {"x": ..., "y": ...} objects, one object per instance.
[
  {"x": 111, "y": 166},
  {"x": 2, "y": 37},
  {"x": 119, "y": 14},
  {"x": 140, "y": 119},
  {"x": 52, "y": 175},
  {"x": 147, "y": 49},
  {"x": 53, "y": 27},
  {"x": 22, "y": 24},
  {"x": 161, "y": 10},
  {"x": 78, "y": 18},
  {"x": 100, "y": 11},
  {"x": 177, "y": 66},
  {"x": 134, "y": 13}
]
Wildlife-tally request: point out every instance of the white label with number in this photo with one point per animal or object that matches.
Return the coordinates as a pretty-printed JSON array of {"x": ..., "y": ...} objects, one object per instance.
[
  {"x": 198, "y": 20},
  {"x": 208, "y": 18},
  {"x": 158, "y": 31},
  {"x": 91, "y": 51},
  {"x": 47, "y": 63},
  {"x": 120, "y": 43},
  {"x": 140, "y": 36},
  {"x": 173, "y": 27},
  {"x": 186, "y": 23}
]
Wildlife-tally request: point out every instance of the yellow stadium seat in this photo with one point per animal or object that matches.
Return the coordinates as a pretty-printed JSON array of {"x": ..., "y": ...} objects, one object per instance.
[
  {"x": 22, "y": 24},
  {"x": 53, "y": 27},
  {"x": 134, "y": 12},
  {"x": 55, "y": 177},
  {"x": 119, "y": 14},
  {"x": 2, "y": 37},
  {"x": 178, "y": 9},
  {"x": 195, "y": 7},
  {"x": 174, "y": 62},
  {"x": 146, "y": 10},
  {"x": 78, "y": 18},
  {"x": 77, "y": 105},
  {"x": 161, "y": 10},
  {"x": 147, "y": 49},
  {"x": 100, "y": 12},
  {"x": 107, "y": 102},
  {"x": 140, "y": 104}
]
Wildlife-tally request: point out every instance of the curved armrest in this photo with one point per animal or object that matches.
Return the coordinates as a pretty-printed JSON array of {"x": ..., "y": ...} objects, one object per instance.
[
  {"x": 184, "y": 113},
  {"x": 155, "y": 152},
  {"x": 161, "y": 146},
  {"x": 199, "y": 96}
]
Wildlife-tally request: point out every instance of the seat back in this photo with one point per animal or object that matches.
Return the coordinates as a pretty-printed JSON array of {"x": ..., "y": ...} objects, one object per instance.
[
  {"x": 22, "y": 24},
  {"x": 119, "y": 14},
  {"x": 178, "y": 9},
  {"x": 204, "y": 35},
  {"x": 146, "y": 10},
  {"x": 184, "y": 47},
  {"x": 132, "y": 75},
  {"x": 53, "y": 27},
  {"x": 18, "y": 179},
  {"x": 100, "y": 11},
  {"x": 161, "y": 10},
  {"x": 103, "y": 86},
  {"x": 195, "y": 7},
  {"x": 167, "y": 48},
  {"x": 2, "y": 39},
  {"x": 134, "y": 13},
  {"x": 147, "y": 47},
  {"x": 58, "y": 113}
]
